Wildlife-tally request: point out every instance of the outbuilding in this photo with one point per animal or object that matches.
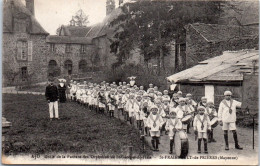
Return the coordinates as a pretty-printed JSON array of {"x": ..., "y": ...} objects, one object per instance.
[{"x": 213, "y": 76}]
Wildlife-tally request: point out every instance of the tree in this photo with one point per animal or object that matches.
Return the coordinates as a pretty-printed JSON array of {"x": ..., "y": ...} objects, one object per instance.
[
  {"x": 58, "y": 31},
  {"x": 81, "y": 19},
  {"x": 152, "y": 25}
]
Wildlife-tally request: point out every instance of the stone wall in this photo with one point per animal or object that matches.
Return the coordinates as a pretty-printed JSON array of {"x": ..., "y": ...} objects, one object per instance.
[
  {"x": 75, "y": 56},
  {"x": 36, "y": 68},
  {"x": 198, "y": 49},
  {"x": 106, "y": 59}
]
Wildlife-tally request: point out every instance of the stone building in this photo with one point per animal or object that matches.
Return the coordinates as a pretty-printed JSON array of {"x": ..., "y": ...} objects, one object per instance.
[
  {"x": 101, "y": 35},
  {"x": 80, "y": 49},
  {"x": 30, "y": 53},
  {"x": 24, "y": 44},
  {"x": 204, "y": 41},
  {"x": 70, "y": 52}
]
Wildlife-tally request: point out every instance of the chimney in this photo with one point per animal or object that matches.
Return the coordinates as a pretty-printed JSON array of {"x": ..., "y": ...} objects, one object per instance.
[{"x": 30, "y": 6}]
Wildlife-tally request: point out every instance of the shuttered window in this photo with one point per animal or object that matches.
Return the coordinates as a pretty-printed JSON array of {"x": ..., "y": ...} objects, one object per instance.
[
  {"x": 22, "y": 50},
  {"x": 30, "y": 50}
]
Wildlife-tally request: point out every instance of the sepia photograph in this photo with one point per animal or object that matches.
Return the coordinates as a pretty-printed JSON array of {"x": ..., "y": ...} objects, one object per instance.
[{"x": 130, "y": 82}]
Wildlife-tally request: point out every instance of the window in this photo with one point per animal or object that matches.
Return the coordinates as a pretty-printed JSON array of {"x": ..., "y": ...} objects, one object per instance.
[
  {"x": 68, "y": 48},
  {"x": 30, "y": 47},
  {"x": 83, "y": 48},
  {"x": 68, "y": 66},
  {"x": 22, "y": 50},
  {"x": 183, "y": 47},
  {"x": 52, "y": 47},
  {"x": 24, "y": 73},
  {"x": 53, "y": 69},
  {"x": 82, "y": 66}
]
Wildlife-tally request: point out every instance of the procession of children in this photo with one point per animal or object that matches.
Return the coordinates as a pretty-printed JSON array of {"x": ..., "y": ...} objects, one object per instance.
[{"x": 156, "y": 113}]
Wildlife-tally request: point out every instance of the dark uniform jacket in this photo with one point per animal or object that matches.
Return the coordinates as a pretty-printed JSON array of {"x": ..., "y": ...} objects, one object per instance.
[{"x": 51, "y": 93}]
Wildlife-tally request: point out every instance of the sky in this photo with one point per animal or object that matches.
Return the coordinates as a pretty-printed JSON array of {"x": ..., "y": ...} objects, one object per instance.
[{"x": 53, "y": 13}]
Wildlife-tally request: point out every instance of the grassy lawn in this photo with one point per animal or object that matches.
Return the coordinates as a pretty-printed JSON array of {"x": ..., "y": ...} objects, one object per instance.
[{"x": 78, "y": 130}]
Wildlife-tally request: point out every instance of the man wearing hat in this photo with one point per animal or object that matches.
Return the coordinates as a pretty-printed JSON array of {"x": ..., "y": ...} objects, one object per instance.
[
  {"x": 52, "y": 96},
  {"x": 227, "y": 118}
]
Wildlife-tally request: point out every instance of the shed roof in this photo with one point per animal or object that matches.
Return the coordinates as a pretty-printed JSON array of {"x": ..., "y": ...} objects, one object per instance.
[
  {"x": 68, "y": 40},
  {"x": 226, "y": 67},
  {"x": 217, "y": 33},
  {"x": 18, "y": 11}
]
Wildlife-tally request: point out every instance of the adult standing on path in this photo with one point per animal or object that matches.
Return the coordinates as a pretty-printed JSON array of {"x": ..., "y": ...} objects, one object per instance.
[
  {"x": 52, "y": 96},
  {"x": 62, "y": 90},
  {"x": 227, "y": 118}
]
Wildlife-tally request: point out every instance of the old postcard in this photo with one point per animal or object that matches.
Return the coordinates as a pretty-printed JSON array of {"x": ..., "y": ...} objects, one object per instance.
[{"x": 150, "y": 82}]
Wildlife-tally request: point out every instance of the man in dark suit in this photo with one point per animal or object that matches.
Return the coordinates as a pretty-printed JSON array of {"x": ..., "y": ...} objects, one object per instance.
[{"x": 52, "y": 96}]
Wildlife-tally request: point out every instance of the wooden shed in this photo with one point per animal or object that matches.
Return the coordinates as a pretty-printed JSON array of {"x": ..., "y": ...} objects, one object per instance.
[{"x": 213, "y": 76}]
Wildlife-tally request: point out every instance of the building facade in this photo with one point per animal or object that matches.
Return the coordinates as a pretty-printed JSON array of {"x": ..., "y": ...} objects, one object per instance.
[
  {"x": 24, "y": 45},
  {"x": 31, "y": 54},
  {"x": 69, "y": 53}
]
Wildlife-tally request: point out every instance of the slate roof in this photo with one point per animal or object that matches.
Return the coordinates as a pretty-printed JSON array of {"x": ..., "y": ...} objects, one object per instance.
[
  {"x": 76, "y": 31},
  {"x": 223, "y": 68},
  {"x": 103, "y": 28},
  {"x": 19, "y": 10},
  {"x": 217, "y": 33},
  {"x": 68, "y": 40}
]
